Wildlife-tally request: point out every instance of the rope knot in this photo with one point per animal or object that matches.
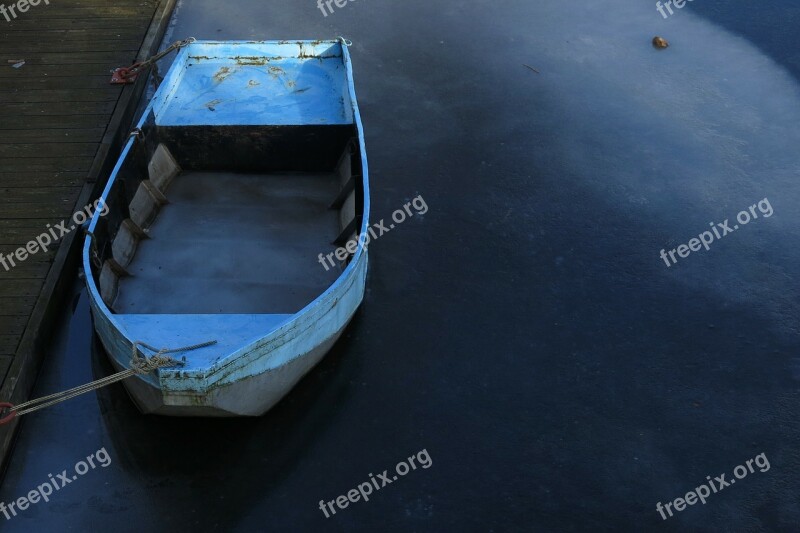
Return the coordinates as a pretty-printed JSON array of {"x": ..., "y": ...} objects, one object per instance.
[{"x": 145, "y": 365}]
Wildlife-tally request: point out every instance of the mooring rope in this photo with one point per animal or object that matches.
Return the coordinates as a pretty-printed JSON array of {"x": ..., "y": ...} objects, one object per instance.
[
  {"x": 139, "y": 365},
  {"x": 128, "y": 72}
]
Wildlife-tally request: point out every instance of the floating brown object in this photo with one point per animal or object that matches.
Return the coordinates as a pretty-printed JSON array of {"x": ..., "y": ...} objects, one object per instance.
[{"x": 660, "y": 42}]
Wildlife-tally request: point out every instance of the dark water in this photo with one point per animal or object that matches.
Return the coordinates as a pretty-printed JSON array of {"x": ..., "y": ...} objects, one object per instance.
[{"x": 525, "y": 331}]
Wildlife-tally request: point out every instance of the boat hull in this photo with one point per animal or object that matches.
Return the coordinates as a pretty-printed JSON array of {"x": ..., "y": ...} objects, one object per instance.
[
  {"x": 262, "y": 384},
  {"x": 238, "y": 271}
]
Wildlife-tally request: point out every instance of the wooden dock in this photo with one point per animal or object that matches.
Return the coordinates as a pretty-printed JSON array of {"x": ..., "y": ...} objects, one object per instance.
[{"x": 61, "y": 127}]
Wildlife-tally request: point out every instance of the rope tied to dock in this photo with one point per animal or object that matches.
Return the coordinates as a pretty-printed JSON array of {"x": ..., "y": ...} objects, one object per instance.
[
  {"x": 140, "y": 365},
  {"x": 125, "y": 75}
]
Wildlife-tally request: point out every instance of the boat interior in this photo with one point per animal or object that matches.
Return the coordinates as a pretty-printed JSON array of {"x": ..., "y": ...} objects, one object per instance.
[{"x": 228, "y": 219}]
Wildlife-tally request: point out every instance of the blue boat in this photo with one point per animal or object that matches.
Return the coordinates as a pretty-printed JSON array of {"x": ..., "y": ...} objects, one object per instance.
[{"x": 237, "y": 213}]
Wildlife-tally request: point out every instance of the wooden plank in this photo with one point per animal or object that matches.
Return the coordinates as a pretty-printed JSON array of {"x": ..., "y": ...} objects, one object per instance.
[
  {"x": 27, "y": 270},
  {"x": 49, "y": 195},
  {"x": 15, "y": 325},
  {"x": 65, "y": 56},
  {"x": 5, "y": 365},
  {"x": 13, "y": 238},
  {"x": 62, "y": 10},
  {"x": 12, "y": 263},
  {"x": 22, "y": 305},
  {"x": 67, "y": 4},
  {"x": 57, "y": 10},
  {"x": 39, "y": 179},
  {"x": 57, "y": 122},
  {"x": 9, "y": 343},
  {"x": 10, "y": 224},
  {"x": 62, "y": 149},
  {"x": 41, "y": 137},
  {"x": 62, "y": 95},
  {"x": 66, "y": 34},
  {"x": 96, "y": 9},
  {"x": 11, "y": 164},
  {"x": 50, "y": 84},
  {"x": 53, "y": 71},
  {"x": 53, "y": 121},
  {"x": 31, "y": 24},
  {"x": 38, "y": 257},
  {"x": 76, "y": 110},
  {"x": 68, "y": 46},
  {"x": 20, "y": 238},
  {"x": 18, "y": 288},
  {"x": 30, "y": 210},
  {"x": 152, "y": 4},
  {"x": 113, "y": 57}
]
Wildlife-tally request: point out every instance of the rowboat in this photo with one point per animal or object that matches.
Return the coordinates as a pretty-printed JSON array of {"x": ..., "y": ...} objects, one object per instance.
[{"x": 247, "y": 167}]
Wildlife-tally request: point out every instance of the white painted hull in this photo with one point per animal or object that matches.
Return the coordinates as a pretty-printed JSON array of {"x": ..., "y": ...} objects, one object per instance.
[
  {"x": 252, "y": 396},
  {"x": 259, "y": 383}
]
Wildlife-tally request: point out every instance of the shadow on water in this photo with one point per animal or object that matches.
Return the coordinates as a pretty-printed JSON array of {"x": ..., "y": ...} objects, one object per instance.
[
  {"x": 208, "y": 465},
  {"x": 203, "y": 460}
]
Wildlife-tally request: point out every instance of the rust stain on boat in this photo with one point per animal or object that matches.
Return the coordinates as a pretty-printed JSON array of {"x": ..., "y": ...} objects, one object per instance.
[
  {"x": 255, "y": 60},
  {"x": 303, "y": 54},
  {"x": 222, "y": 73},
  {"x": 212, "y": 105}
]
